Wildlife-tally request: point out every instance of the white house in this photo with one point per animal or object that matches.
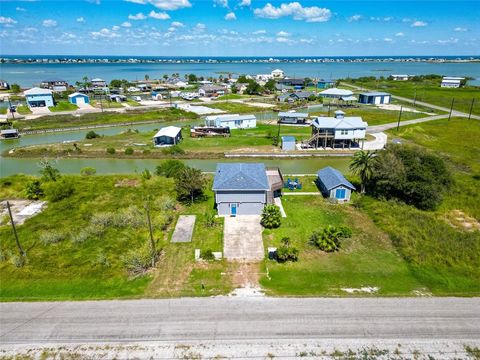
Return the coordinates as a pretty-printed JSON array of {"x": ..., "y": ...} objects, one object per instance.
[
  {"x": 277, "y": 74},
  {"x": 211, "y": 90},
  {"x": 338, "y": 131},
  {"x": 234, "y": 121},
  {"x": 37, "y": 97},
  {"x": 451, "y": 82},
  {"x": 336, "y": 93},
  {"x": 168, "y": 136},
  {"x": 401, "y": 77}
]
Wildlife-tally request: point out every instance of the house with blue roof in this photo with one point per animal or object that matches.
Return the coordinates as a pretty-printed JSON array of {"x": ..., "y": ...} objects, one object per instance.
[
  {"x": 245, "y": 188},
  {"x": 333, "y": 185}
]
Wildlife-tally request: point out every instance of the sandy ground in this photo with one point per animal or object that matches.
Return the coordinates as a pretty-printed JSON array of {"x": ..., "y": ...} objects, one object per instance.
[
  {"x": 257, "y": 104},
  {"x": 21, "y": 210},
  {"x": 393, "y": 107},
  {"x": 199, "y": 109}
]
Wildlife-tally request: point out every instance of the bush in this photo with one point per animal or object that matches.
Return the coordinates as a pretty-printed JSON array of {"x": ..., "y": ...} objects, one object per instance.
[
  {"x": 166, "y": 203},
  {"x": 101, "y": 260},
  {"x": 89, "y": 232},
  {"x": 129, "y": 151},
  {"x": 59, "y": 190},
  {"x": 207, "y": 255},
  {"x": 92, "y": 135},
  {"x": 146, "y": 174},
  {"x": 189, "y": 184},
  {"x": 169, "y": 168},
  {"x": 18, "y": 261},
  {"x": 329, "y": 238},
  {"x": 88, "y": 171},
  {"x": 111, "y": 150},
  {"x": 286, "y": 252},
  {"x": 33, "y": 190},
  {"x": 173, "y": 150},
  {"x": 271, "y": 217},
  {"x": 138, "y": 261},
  {"x": 51, "y": 237},
  {"x": 210, "y": 220}
]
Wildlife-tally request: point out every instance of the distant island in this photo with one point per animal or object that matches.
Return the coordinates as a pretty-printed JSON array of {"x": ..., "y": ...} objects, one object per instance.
[{"x": 52, "y": 59}]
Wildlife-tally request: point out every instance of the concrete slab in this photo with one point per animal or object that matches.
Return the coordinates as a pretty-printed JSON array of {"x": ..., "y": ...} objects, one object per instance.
[
  {"x": 278, "y": 202},
  {"x": 242, "y": 238},
  {"x": 184, "y": 229}
]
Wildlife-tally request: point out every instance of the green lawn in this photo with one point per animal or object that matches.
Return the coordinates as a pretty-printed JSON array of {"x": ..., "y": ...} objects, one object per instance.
[
  {"x": 60, "y": 121},
  {"x": 23, "y": 110},
  {"x": 133, "y": 102},
  {"x": 428, "y": 91},
  {"x": 368, "y": 259},
  {"x": 93, "y": 268},
  {"x": 63, "y": 106},
  {"x": 235, "y": 107},
  {"x": 231, "y": 96},
  {"x": 3, "y": 110}
]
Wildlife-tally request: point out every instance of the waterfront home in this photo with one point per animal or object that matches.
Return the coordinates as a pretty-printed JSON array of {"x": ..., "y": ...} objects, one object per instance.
[
  {"x": 451, "y": 82},
  {"x": 78, "y": 98},
  {"x": 296, "y": 83},
  {"x": 38, "y": 97},
  {"x": 292, "y": 117},
  {"x": 277, "y": 74},
  {"x": 325, "y": 83},
  {"x": 168, "y": 136},
  {"x": 57, "y": 85},
  {"x": 401, "y": 77},
  {"x": 240, "y": 87},
  {"x": 288, "y": 143},
  {"x": 211, "y": 91},
  {"x": 336, "y": 93},
  {"x": 9, "y": 134},
  {"x": 232, "y": 121},
  {"x": 245, "y": 188},
  {"x": 337, "y": 132},
  {"x": 98, "y": 83},
  {"x": 4, "y": 85},
  {"x": 374, "y": 98},
  {"x": 333, "y": 185},
  {"x": 296, "y": 96}
]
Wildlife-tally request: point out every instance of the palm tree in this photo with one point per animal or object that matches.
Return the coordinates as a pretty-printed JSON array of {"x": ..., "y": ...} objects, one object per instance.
[{"x": 362, "y": 165}]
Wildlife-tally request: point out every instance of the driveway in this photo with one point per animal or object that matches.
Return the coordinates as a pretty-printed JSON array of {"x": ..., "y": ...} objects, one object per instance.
[
  {"x": 242, "y": 238},
  {"x": 377, "y": 144}
]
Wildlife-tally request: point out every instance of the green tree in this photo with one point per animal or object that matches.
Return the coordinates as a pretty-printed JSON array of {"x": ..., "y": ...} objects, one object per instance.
[
  {"x": 88, "y": 171},
  {"x": 329, "y": 238},
  {"x": 48, "y": 172},
  {"x": 242, "y": 79},
  {"x": 59, "y": 190},
  {"x": 271, "y": 217},
  {"x": 190, "y": 184},
  {"x": 116, "y": 83},
  {"x": 15, "y": 88},
  {"x": 91, "y": 135},
  {"x": 362, "y": 165},
  {"x": 192, "y": 78},
  {"x": 169, "y": 168},
  {"x": 253, "y": 88},
  {"x": 146, "y": 77},
  {"x": 270, "y": 85}
]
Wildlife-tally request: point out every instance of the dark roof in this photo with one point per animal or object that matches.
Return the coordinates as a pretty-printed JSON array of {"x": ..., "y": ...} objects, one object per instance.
[
  {"x": 291, "y": 81},
  {"x": 332, "y": 178},
  {"x": 54, "y": 80},
  {"x": 304, "y": 94},
  {"x": 375, "y": 93},
  {"x": 240, "y": 176}
]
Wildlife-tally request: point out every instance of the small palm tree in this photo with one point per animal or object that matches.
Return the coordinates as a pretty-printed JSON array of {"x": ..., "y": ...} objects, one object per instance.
[{"x": 362, "y": 165}]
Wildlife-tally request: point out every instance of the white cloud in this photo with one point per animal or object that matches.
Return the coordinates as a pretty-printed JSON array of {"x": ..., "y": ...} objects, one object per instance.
[
  {"x": 283, "y": 40},
  {"x": 283, "y": 34},
  {"x": 460, "y": 29},
  {"x": 259, "y": 32},
  {"x": 104, "y": 33},
  {"x": 388, "y": 40},
  {"x": 172, "y": 29},
  {"x": 159, "y": 15},
  {"x": 80, "y": 19},
  {"x": 399, "y": 34},
  {"x": 231, "y": 16},
  {"x": 406, "y": 20},
  {"x": 164, "y": 4},
  {"x": 177, "y": 24},
  {"x": 115, "y": 28},
  {"x": 245, "y": 3},
  {"x": 49, "y": 23},
  {"x": 7, "y": 20},
  {"x": 18, "y": 8},
  {"x": 200, "y": 27},
  {"x": 353, "y": 18},
  {"x": 138, "y": 16},
  {"x": 295, "y": 10},
  {"x": 448, "y": 41},
  {"x": 222, "y": 3},
  {"x": 419, "y": 24},
  {"x": 126, "y": 24},
  {"x": 381, "y": 19}
]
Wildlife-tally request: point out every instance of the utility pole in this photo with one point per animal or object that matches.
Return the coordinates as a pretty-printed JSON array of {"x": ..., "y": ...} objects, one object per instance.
[
  {"x": 471, "y": 109},
  {"x": 10, "y": 108},
  {"x": 152, "y": 241},
  {"x": 451, "y": 109},
  {"x": 415, "y": 98},
  {"x": 399, "y": 118},
  {"x": 20, "y": 249}
]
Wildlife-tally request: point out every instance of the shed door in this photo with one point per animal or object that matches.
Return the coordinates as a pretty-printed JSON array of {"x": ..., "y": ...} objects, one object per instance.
[
  {"x": 80, "y": 100},
  {"x": 340, "y": 193}
]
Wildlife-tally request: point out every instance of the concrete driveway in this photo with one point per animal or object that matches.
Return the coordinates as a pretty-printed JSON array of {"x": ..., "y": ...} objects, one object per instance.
[{"x": 242, "y": 238}]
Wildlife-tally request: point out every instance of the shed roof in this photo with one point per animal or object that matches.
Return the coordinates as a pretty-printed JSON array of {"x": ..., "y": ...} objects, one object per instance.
[
  {"x": 241, "y": 176},
  {"x": 75, "y": 94},
  {"x": 375, "y": 93},
  {"x": 288, "y": 139},
  {"x": 230, "y": 117},
  {"x": 8, "y": 131},
  {"x": 97, "y": 80},
  {"x": 38, "y": 91},
  {"x": 336, "y": 92},
  {"x": 170, "y": 131},
  {"x": 348, "y": 98},
  {"x": 346, "y": 123},
  {"x": 332, "y": 178},
  {"x": 303, "y": 94},
  {"x": 293, "y": 114}
]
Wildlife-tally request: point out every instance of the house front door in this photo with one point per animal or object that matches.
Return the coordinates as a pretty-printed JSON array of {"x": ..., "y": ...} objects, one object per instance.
[{"x": 233, "y": 209}]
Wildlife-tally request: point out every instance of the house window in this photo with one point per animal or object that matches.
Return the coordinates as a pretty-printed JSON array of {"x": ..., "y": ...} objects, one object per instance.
[
  {"x": 238, "y": 122},
  {"x": 340, "y": 193},
  {"x": 344, "y": 132}
]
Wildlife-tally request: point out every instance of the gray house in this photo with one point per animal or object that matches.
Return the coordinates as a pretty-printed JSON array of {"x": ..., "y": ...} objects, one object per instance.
[
  {"x": 333, "y": 184},
  {"x": 167, "y": 136},
  {"x": 245, "y": 188}
]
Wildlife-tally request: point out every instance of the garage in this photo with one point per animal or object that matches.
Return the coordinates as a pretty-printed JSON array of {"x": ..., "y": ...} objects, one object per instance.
[{"x": 78, "y": 98}]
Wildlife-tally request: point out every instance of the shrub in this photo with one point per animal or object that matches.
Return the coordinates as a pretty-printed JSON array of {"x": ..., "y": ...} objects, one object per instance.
[
  {"x": 92, "y": 135},
  {"x": 139, "y": 260},
  {"x": 329, "y": 239},
  {"x": 169, "y": 168},
  {"x": 208, "y": 255},
  {"x": 111, "y": 150},
  {"x": 49, "y": 173},
  {"x": 166, "y": 203},
  {"x": 51, "y": 237},
  {"x": 33, "y": 190},
  {"x": 129, "y": 151},
  {"x": 173, "y": 150},
  {"x": 163, "y": 221},
  {"x": 271, "y": 217},
  {"x": 286, "y": 252},
  {"x": 131, "y": 216},
  {"x": 210, "y": 220},
  {"x": 189, "y": 184},
  {"x": 146, "y": 174},
  {"x": 89, "y": 232},
  {"x": 101, "y": 260},
  {"x": 59, "y": 190},
  {"x": 146, "y": 152},
  {"x": 103, "y": 219},
  {"x": 18, "y": 261},
  {"x": 88, "y": 171}
]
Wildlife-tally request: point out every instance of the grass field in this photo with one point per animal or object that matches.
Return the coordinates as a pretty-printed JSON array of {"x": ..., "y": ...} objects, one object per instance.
[
  {"x": 235, "y": 107},
  {"x": 428, "y": 91},
  {"x": 93, "y": 268},
  {"x": 62, "y": 121},
  {"x": 63, "y": 106},
  {"x": 23, "y": 110}
]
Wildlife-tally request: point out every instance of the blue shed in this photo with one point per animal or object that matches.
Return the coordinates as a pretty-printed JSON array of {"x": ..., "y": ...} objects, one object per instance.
[
  {"x": 288, "y": 143},
  {"x": 333, "y": 184},
  {"x": 375, "y": 98},
  {"x": 78, "y": 98}
]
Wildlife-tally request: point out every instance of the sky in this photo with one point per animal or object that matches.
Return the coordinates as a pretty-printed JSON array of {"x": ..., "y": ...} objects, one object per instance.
[{"x": 239, "y": 27}]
